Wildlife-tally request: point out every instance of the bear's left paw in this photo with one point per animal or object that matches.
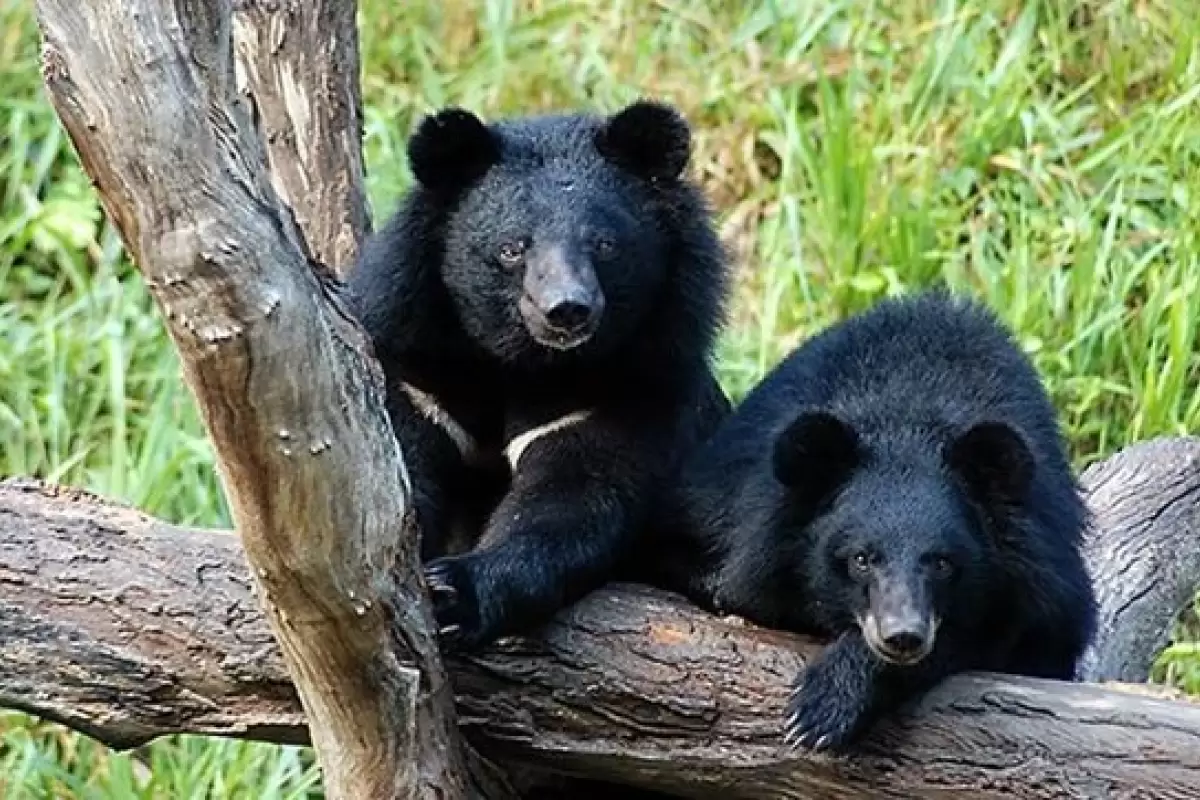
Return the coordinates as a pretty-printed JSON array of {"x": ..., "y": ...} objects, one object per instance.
[
  {"x": 821, "y": 715},
  {"x": 454, "y": 602}
]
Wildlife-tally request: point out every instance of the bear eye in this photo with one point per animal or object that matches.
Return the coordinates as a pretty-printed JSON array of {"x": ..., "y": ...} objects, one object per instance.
[
  {"x": 605, "y": 247},
  {"x": 511, "y": 254},
  {"x": 861, "y": 561},
  {"x": 943, "y": 566}
]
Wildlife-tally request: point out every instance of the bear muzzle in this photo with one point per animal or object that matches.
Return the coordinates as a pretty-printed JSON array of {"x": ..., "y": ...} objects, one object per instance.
[
  {"x": 898, "y": 627},
  {"x": 562, "y": 302}
]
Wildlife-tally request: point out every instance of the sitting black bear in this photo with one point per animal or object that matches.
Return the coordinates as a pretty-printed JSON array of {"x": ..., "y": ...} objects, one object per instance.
[{"x": 544, "y": 305}]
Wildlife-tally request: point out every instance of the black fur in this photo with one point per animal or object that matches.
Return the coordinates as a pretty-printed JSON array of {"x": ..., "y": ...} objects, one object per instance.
[
  {"x": 510, "y": 224},
  {"x": 451, "y": 150},
  {"x": 648, "y": 139},
  {"x": 898, "y": 484}
]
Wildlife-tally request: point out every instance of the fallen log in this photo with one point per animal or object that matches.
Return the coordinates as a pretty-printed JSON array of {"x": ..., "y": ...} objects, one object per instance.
[{"x": 127, "y": 628}]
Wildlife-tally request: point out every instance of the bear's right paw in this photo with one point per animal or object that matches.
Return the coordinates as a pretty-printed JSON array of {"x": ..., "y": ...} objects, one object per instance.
[
  {"x": 821, "y": 714},
  {"x": 454, "y": 605}
]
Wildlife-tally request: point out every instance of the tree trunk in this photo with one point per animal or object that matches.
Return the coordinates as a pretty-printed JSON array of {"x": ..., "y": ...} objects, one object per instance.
[
  {"x": 282, "y": 375},
  {"x": 630, "y": 686}
]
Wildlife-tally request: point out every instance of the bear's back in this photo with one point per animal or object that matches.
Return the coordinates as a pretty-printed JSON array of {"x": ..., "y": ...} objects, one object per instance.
[
  {"x": 929, "y": 363},
  {"x": 910, "y": 370}
]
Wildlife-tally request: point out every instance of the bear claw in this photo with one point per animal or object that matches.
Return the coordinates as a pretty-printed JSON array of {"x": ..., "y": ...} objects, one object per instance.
[
  {"x": 454, "y": 606},
  {"x": 820, "y": 717},
  {"x": 443, "y": 591},
  {"x": 817, "y": 729}
]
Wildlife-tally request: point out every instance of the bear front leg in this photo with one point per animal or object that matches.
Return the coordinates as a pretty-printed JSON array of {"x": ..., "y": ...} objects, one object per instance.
[
  {"x": 833, "y": 697},
  {"x": 847, "y": 688},
  {"x": 577, "y": 498}
]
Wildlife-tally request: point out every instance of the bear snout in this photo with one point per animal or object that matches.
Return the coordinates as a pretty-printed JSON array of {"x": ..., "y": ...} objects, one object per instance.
[
  {"x": 562, "y": 301},
  {"x": 569, "y": 314},
  {"x": 898, "y": 629}
]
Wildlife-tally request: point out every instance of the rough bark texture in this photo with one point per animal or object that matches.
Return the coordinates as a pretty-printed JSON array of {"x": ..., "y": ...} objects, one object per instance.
[
  {"x": 128, "y": 628},
  {"x": 1145, "y": 560},
  {"x": 298, "y": 68},
  {"x": 292, "y": 402}
]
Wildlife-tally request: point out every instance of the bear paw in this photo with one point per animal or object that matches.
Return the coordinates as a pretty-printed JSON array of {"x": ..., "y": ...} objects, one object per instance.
[
  {"x": 820, "y": 715},
  {"x": 454, "y": 603}
]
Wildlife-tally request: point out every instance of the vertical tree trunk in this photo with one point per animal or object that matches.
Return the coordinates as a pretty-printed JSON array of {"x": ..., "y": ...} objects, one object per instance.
[{"x": 291, "y": 399}]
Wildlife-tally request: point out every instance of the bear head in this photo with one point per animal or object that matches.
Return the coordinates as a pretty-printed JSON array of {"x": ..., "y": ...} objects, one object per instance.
[
  {"x": 553, "y": 234},
  {"x": 896, "y": 532}
]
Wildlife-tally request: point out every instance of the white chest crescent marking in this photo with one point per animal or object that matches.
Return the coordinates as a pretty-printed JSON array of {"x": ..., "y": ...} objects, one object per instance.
[
  {"x": 429, "y": 408},
  {"x": 521, "y": 443}
]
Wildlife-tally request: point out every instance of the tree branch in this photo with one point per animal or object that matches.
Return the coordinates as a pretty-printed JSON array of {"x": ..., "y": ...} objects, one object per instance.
[
  {"x": 1144, "y": 554},
  {"x": 299, "y": 67},
  {"x": 128, "y": 628},
  {"x": 291, "y": 399}
]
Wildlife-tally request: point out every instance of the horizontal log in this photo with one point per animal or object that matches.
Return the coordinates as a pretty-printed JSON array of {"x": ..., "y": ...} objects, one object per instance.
[{"x": 127, "y": 628}]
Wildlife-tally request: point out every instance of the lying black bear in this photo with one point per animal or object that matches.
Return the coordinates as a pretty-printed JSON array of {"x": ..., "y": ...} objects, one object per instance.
[
  {"x": 899, "y": 485},
  {"x": 544, "y": 305}
]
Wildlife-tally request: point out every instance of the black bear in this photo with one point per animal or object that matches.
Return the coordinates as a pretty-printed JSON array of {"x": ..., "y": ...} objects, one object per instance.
[
  {"x": 899, "y": 485},
  {"x": 544, "y": 304}
]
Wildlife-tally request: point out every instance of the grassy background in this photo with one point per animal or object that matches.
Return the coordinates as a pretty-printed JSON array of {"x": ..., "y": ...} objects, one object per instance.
[{"x": 1043, "y": 155}]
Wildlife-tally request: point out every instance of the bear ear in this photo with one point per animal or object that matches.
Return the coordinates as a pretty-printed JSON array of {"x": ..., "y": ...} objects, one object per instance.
[
  {"x": 650, "y": 139},
  {"x": 995, "y": 462},
  {"x": 451, "y": 150},
  {"x": 815, "y": 454}
]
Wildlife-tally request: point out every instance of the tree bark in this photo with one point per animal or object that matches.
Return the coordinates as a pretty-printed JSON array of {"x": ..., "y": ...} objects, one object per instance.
[
  {"x": 127, "y": 628},
  {"x": 291, "y": 398},
  {"x": 1145, "y": 558},
  {"x": 297, "y": 67}
]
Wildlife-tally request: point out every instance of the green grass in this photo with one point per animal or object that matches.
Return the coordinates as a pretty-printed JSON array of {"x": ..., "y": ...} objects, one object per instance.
[{"x": 1044, "y": 156}]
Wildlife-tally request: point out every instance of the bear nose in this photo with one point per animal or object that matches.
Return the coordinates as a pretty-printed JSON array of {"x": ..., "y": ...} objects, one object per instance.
[
  {"x": 905, "y": 643},
  {"x": 569, "y": 315}
]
